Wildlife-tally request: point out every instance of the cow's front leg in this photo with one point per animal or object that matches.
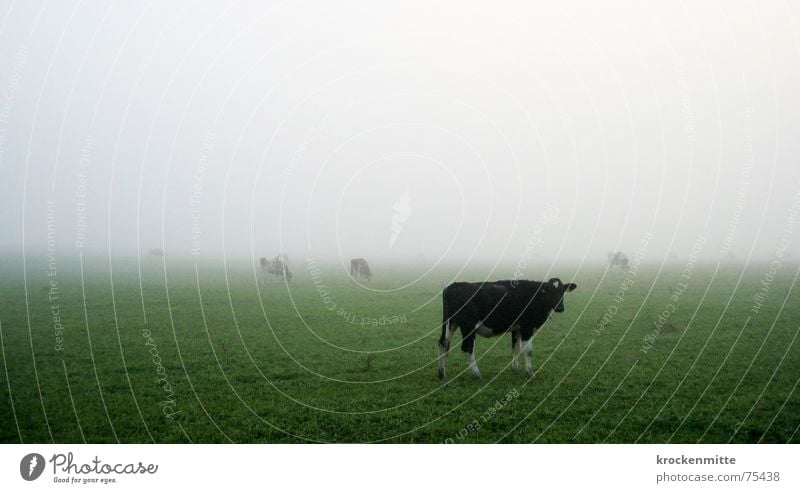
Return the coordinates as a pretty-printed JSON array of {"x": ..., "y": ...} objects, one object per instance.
[
  {"x": 516, "y": 346},
  {"x": 468, "y": 346},
  {"x": 527, "y": 349},
  {"x": 473, "y": 365}
]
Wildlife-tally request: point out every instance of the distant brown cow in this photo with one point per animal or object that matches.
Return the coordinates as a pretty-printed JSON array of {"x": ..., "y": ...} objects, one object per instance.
[
  {"x": 360, "y": 268},
  {"x": 278, "y": 266},
  {"x": 618, "y": 258}
]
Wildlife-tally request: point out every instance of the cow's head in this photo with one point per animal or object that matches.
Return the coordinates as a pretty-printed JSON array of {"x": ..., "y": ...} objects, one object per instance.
[{"x": 553, "y": 293}]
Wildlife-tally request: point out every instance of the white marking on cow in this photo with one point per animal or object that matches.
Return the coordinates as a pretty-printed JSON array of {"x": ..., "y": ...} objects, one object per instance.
[
  {"x": 527, "y": 349},
  {"x": 476, "y": 373},
  {"x": 451, "y": 329},
  {"x": 515, "y": 357},
  {"x": 483, "y": 330}
]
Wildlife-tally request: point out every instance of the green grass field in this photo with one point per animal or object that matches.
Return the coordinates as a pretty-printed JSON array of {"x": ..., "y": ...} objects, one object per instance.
[{"x": 198, "y": 356}]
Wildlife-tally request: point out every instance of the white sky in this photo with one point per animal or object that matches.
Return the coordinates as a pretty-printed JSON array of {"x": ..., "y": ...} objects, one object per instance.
[{"x": 299, "y": 127}]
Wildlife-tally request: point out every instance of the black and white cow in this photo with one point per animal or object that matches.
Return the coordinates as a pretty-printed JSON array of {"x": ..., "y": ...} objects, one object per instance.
[
  {"x": 278, "y": 266},
  {"x": 618, "y": 258},
  {"x": 493, "y": 308}
]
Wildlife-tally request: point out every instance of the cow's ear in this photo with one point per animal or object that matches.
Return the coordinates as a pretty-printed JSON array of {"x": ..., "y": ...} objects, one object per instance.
[
  {"x": 555, "y": 282},
  {"x": 571, "y": 286}
]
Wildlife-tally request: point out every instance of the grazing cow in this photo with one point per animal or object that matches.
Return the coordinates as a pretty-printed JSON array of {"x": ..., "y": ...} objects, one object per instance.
[
  {"x": 278, "y": 266},
  {"x": 360, "y": 267},
  {"x": 618, "y": 258},
  {"x": 155, "y": 252},
  {"x": 494, "y": 308}
]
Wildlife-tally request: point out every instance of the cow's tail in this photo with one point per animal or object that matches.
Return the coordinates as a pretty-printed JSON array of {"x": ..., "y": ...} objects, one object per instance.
[{"x": 444, "y": 339}]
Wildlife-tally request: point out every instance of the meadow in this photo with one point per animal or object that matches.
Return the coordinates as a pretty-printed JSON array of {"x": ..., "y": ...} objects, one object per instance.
[{"x": 94, "y": 352}]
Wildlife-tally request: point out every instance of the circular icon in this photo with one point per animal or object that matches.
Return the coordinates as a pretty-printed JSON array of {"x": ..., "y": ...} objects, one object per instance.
[{"x": 31, "y": 466}]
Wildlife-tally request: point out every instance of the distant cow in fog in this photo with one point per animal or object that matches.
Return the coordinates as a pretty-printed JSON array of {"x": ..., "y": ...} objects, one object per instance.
[
  {"x": 277, "y": 266},
  {"x": 360, "y": 268},
  {"x": 155, "y": 252},
  {"x": 618, "y": 258}
]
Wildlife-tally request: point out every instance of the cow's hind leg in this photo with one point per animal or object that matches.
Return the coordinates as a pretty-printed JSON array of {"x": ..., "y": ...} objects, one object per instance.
[
  {"x": 516, "y": 346},
  {"x": 448, "y": 329},
  {"x": 468, "y": 346}
]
